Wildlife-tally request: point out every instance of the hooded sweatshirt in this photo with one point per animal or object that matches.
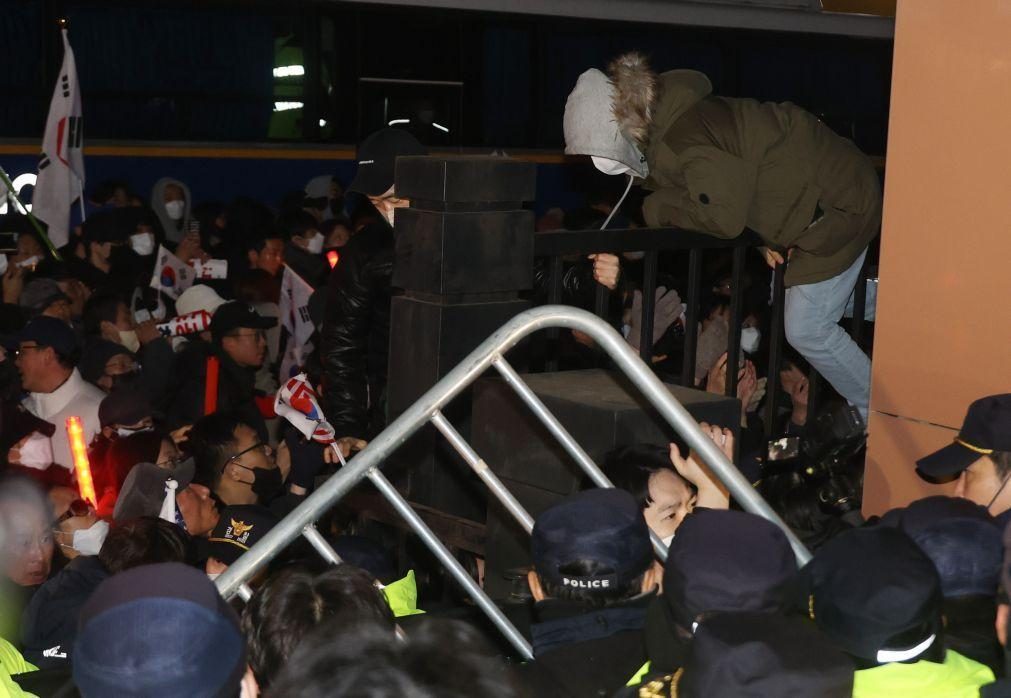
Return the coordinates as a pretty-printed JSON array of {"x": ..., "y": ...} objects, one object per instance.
[
  {"x": 174, "y": 230},
  {"x": 720, "y": 165}
]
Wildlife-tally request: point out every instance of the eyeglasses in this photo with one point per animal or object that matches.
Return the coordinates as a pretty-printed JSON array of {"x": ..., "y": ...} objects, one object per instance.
[
  {"x": 258, "y": 445},
  {"x": 78, "y": 507}
]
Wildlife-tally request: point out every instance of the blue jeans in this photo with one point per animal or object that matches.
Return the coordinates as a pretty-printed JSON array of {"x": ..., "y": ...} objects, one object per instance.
[{"x": 812, "y": 317}]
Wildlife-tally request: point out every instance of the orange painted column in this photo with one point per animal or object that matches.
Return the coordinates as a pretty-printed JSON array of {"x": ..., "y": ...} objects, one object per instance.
[{"x": 943, "y": 333}]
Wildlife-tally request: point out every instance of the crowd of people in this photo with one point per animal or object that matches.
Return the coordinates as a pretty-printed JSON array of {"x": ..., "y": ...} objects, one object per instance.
[
  {"x": 141, "y": 456},
  {"x": 910, "y": 603}
]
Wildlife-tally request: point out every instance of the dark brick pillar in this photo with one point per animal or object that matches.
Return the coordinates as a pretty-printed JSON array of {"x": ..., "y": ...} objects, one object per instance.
[{"x": 464, "y": 250}]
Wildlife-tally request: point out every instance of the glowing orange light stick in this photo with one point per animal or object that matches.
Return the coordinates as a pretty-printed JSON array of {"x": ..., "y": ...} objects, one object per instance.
[
  {"x": 332, "y": 257},
  {"x": 85, "y": 483}
]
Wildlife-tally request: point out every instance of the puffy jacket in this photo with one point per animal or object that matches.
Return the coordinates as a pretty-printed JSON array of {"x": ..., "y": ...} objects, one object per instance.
[
  {"x": 356, "y": 333},
  {"x": 584, "y": 652},
  {"x": 719, "y": 165}
]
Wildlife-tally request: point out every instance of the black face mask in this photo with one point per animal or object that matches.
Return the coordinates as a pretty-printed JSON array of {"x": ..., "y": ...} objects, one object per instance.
[{"x": 267, "y": 483}]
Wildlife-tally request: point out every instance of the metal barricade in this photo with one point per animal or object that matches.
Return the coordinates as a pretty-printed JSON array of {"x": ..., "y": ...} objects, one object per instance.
[{"x": 428, "y": 408}]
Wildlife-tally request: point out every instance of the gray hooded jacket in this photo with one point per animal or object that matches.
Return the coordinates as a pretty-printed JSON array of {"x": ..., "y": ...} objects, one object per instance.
[{"x": 174, "y": 230}]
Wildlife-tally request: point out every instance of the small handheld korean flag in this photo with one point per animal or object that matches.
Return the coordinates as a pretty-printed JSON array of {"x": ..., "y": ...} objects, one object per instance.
[
  {"x": 171, "y": 275},
  {"x": 296, "y": 401}
]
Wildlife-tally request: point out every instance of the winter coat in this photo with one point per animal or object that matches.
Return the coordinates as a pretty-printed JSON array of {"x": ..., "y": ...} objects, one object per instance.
[
  {"x": 719, "y": 165},
  {"x": 583, "y": 652},
  {"x": 49, "y": 623},
  {"x": 236, "y": 389},
  {"x": 356, "y": 333}
]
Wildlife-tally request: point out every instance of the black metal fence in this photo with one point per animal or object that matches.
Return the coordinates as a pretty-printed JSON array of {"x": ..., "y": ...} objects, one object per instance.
[{"x": 557, "y": 245}]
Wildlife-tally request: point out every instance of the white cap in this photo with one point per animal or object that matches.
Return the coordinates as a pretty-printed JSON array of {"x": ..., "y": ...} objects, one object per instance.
[{"x": 198, "y": 297}]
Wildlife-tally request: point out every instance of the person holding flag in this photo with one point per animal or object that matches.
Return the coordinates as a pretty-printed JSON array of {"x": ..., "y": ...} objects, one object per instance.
[{"x": 356, "y": 324}]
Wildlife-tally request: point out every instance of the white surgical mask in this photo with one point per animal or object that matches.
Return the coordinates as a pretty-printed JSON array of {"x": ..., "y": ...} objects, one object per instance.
[
  {"x": 667, "y": 540},
  {"x": 142, "y": 244},
  {"x": 128, "y": 338},
  {"x": 610, "y": 167},
  {"x": 314, "y": 245},
  {"x": 751, "y": 337},
  {"x": 213, "y": 575},
  {"x": 30, "y": 262},
  {"x": 124, "y": 432},
  {"x": 175, "y": 209},
  {"x": 88, "y": 541}
]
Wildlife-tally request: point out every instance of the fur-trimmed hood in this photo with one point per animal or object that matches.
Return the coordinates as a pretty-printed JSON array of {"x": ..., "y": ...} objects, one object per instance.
[
  {"x": 642, "y": 98},
  {"x": 635, "y": 98}
]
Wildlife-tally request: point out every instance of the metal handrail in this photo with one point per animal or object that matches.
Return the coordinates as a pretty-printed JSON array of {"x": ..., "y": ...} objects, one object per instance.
[{"x": 428, "y": 408}]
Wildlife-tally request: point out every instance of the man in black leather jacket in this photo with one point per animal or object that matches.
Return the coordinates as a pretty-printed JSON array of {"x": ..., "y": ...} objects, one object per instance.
[{"x": 356, "y": 321}]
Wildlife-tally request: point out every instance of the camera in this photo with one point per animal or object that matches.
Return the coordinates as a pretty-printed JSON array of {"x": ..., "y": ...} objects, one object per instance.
[{"x": 826, "y": 458}]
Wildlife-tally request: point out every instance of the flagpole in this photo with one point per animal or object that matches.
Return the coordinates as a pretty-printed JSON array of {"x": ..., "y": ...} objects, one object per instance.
[
  {"x": 34, "y": 221},
  {"x": 80, "y": 199}
]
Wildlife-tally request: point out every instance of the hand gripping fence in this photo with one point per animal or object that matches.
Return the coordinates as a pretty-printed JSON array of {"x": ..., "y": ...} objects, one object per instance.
[{"x": 428, "y": 408}]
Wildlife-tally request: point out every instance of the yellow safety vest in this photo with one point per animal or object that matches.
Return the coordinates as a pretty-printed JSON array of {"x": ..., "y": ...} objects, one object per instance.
[{"x": 402, "y": 595}]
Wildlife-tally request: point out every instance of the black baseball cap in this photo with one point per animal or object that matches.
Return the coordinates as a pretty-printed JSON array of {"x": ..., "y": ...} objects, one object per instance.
[
  {"x": 47, "y": 332},
  {"x": 744, "y": 654},
  {"x": 377, "y": 157},
  {"x": 870, "y": 585},
  {"x": 158, "y": 630},
  {"x": 124, "y": 406},
  {"x": 986, "y": 429},
  {"x": 602, "y": 525},
  {"x": 96, "y": 355},
  {"x": 967, "y": 553},
  {"x": 239, "y": 528},
  {"x": 369, "y": 555},
  {"x": 722, "y": 560},
  {"x": 235, "y": 314}
]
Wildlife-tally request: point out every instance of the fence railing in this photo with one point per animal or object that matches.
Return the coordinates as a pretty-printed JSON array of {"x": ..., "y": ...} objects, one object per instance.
[
  {"x": 429, "y": 407},
  {"x": 559, "y": 244}
]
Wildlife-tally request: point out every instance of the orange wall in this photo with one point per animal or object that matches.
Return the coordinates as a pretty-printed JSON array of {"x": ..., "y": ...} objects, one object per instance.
[{"x": 943, "y": 331}]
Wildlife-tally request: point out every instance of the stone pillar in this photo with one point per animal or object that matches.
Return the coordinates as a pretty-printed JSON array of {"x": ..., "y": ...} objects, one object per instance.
[
  {"x": 464, "y": 251},
  {"x": 942, "y": 335}
]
